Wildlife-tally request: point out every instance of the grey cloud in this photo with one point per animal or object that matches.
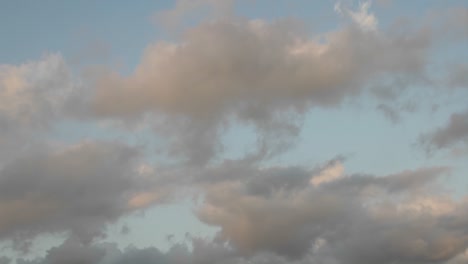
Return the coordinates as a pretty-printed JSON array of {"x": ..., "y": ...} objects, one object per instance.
[
  {"x": 377, "y": 220},
  {"x": 451, "y": 23},
  {"x": 202, "y": 252},
  {"x": 34, "y": 92},
  {"x": 267, "y": 75},
  {"x": 74, "y": 252},
  {"x": 458, "y": 76},
  {"x": 389, "y": 112},
  {"x": 252, "y": 72},
  {"x": 405, "y": 181},
  {"x": 460, "y": 259},
  {"x": 33, "y": 96},
  {"x": 363, "y": 219},
  {"x": 454, "y": 133},
  {"x": 78, "y": 189},
  {"x": 5, "y": 260},
  {"x": 275, "y": 215}
]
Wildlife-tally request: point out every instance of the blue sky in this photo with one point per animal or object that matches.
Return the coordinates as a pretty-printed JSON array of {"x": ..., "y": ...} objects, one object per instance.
[{"x": 218, "y": 131}]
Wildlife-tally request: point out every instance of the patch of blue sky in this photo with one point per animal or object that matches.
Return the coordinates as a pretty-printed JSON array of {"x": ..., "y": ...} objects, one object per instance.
[
  {"x": 160, "y": 226},
  {"x": 37, "y": 27},
  {"x": 317, "y": 16}
]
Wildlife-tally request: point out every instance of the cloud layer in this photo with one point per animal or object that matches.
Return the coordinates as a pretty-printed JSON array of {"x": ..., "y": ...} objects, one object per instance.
[
  {"x": 403, "y": 218},
  {"x": 228, "y": 73}
]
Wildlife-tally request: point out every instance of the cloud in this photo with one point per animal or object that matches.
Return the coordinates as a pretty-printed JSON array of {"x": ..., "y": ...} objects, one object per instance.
[
  {"x": 52, "y": 187},
  {"x": 353, "y": 219},
  {"x": 460, "y": 259},
  {"x": 395, "y": 210},
  {"x": 77, "y": 189},
  {"x": 458, "y": 76},
  {"x": 389, "y": 112},
  {"x": 330, "y": 173},
  {"x": 5, "y": 260},
  {"x": 225, "y": 72},
  {"x": 253, "y": 72},
  {"x": 454, "y": 133},
  {"x": 72, "y": 251},
  {"x": 34, "y": 92},
  {"x": 33, "y": 96}
]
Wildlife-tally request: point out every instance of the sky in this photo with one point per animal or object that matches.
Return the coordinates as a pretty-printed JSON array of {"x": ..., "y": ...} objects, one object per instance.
[{"x": 234, "y": 132}]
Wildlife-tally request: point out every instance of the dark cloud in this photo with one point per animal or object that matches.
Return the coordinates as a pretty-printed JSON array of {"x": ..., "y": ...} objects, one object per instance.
[{"x": 74, "y": 252}]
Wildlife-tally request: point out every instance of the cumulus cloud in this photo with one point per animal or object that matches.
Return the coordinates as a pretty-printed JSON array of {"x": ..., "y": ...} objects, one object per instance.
[
  {"x": 352, "y": 219},
  {"x": 400, "y": 209},
  {"x": 35, "y": 91},
  {"x": 78, "y": 189},
  {"x": 32, "y": 96},
  {"x": 251, "y": 71},
  {"x": 219, "y": 74}
]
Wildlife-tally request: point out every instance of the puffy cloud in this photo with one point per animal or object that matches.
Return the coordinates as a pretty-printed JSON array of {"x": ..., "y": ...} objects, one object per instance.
[
  {"x": 34, "y": 92},
  {"x": 361, "y": 219},
  {"x": 352, "y": 219},
  {"x": 223, "y": 72},
  {"x": 78, "y": 189},
  {"x": 48, "y": 187},
  {"x": 32, "y": 96},
  {"x": 255, "y": 72}
]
